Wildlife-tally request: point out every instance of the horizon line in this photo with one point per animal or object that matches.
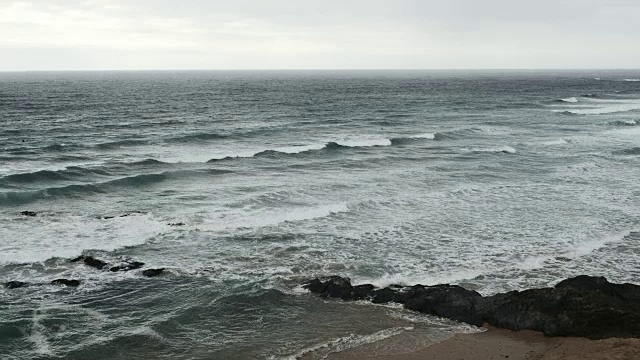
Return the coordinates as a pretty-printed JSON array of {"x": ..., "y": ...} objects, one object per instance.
[{"x": 323, "y": 69}]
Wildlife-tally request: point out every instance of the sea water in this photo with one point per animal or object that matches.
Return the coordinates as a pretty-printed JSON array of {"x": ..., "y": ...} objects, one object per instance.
[{"x": 494, "y": 180}]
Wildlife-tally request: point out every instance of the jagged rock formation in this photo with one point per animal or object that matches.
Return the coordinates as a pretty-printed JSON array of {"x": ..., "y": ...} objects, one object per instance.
[{"x": 583, "y": 306}]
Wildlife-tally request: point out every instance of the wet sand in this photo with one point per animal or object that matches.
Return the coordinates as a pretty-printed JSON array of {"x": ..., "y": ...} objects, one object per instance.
[{"x": 503, "y": 344}]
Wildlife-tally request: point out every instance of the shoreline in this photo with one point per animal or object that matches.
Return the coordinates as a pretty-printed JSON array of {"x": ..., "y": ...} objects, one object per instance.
[{"x": 502, "y": 344}]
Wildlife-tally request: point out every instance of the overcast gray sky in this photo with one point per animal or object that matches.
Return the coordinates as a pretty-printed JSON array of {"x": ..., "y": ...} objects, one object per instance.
[{"x": 328, "y": 34}]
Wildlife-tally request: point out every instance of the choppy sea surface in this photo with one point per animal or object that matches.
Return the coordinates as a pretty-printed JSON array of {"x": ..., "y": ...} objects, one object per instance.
[{"x": 493, "y": 180}]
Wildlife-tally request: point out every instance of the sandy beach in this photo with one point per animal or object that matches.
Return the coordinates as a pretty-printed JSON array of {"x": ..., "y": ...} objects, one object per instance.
[{"x": 496, "y": 344}]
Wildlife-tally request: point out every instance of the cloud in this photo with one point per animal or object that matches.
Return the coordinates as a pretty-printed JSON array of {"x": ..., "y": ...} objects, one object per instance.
[
  {"x": 152, "y": 34},
  {"x": 91, "y": 25}
]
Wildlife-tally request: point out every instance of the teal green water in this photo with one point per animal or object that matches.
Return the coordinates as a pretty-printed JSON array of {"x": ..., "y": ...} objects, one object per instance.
[{"x": 493, "y": 180}]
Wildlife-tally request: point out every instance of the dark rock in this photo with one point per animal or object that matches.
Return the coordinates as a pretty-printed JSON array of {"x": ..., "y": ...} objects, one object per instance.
[
  {"x": 28, "y": 213},
  {"x": 362, "y": 292},
  {"x": 152, "y": 272},
  {"x": 584, "y": 282},
  {"x": 583, "y": 306},
  {"x": 79, "y": 258},
  {"x": 562, "y": 258},
  {"x": 122, "y": 215},
  {"x": 127, "y": 266},
  {"x": 94, "y": 263},
  {"x": 131, "y": 213},
  {"x": 384, "y": 296},
  {"x": 339, "y": 287},
  {"x": 66, "y": 282},
  {"x": 448, "y": 301},
  {"x": 14, "y": 284},
  {"x": 315, "y": 286},
  {"x": 176, "y": 224}
]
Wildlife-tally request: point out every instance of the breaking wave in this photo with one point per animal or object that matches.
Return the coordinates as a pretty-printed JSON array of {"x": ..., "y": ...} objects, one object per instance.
[
  {"x": 120, "y": 143},
  {"x": 630, "y": 151},
  {"x": 624, "y": 123},
  {"x": 73, "y": 173},
  {"x": 75, "y": 190},
  {"x": 327, "y": 147},
  {"x": 569, "y": 100},
  {"x": 413, "y": 138},
  {"x": 501, "y": 149},
  {"x": 203, "y": 136},
  {"x": 602, "y": 107}
]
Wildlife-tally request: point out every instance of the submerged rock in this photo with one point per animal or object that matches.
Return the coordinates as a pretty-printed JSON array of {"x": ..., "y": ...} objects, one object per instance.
[
  {"x": 95, "y": 263},
  {"x": 152, "y": 272},
  {"x": 127, "y": 266},
  {"x": 107, "y": 217},
  {"x": 14, "y": 284},
  {"x": 66, "y": 282},
  {"x": 583, "y": 306},
  {"x": 100, "y": 264}
]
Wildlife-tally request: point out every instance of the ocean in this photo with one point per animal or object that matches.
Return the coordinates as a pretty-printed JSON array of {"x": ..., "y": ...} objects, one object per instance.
[{"x": 245, "y": 184}]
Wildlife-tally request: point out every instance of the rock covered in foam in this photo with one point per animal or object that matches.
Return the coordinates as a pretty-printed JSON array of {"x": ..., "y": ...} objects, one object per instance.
[
  {"x": 127, "y": 266},
  {"x": 583, "y": 306}
]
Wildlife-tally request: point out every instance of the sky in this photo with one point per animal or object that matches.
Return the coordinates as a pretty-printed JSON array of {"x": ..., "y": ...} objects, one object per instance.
[{"x": 328, "y": 34}]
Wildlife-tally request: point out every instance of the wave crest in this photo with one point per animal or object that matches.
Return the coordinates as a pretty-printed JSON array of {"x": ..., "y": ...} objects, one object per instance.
[{"x": 500, "y": 150}]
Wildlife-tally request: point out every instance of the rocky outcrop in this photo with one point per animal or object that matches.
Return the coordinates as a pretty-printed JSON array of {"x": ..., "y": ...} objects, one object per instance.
[
  {"x": 101, "y": 265},
  {"x": 107, "y": 217},
  {"x": 14, "y": 284},
  {"x": 66, "y": 282},
  {"x": 94, "y": 263},
  {"x": 152, "y": 272},
  {"x": 28, "y": 213},
  {"x": 583, "y": 306}
]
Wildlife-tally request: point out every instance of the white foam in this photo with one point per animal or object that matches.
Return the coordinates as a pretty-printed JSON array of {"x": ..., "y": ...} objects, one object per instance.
[
  {"x": 408, "y": 279},
  {"x": 296, "y": 149},
  {"x": 631, "y": 80},
  {"x": 245, "y": 218},
  {"x": 632, "y": 132},
  {"x": 37, "y": 336},
  {"x": 532, "y": 262},
  {"x": 43, "y": 237},
  {"x": 364, "y": 141},
  {"x": 349, "y": 342},
  {"x": 423, "y": 136},
  {"x": 560, "y": 141},
  {"x": 597, "y": 242},
  {"x": 570, "y": 100},
  {"x": 601, "y": 107}
]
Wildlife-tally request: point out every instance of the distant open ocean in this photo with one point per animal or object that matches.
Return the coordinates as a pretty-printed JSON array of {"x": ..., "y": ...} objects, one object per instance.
[{"x": 494, "y": 180}]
